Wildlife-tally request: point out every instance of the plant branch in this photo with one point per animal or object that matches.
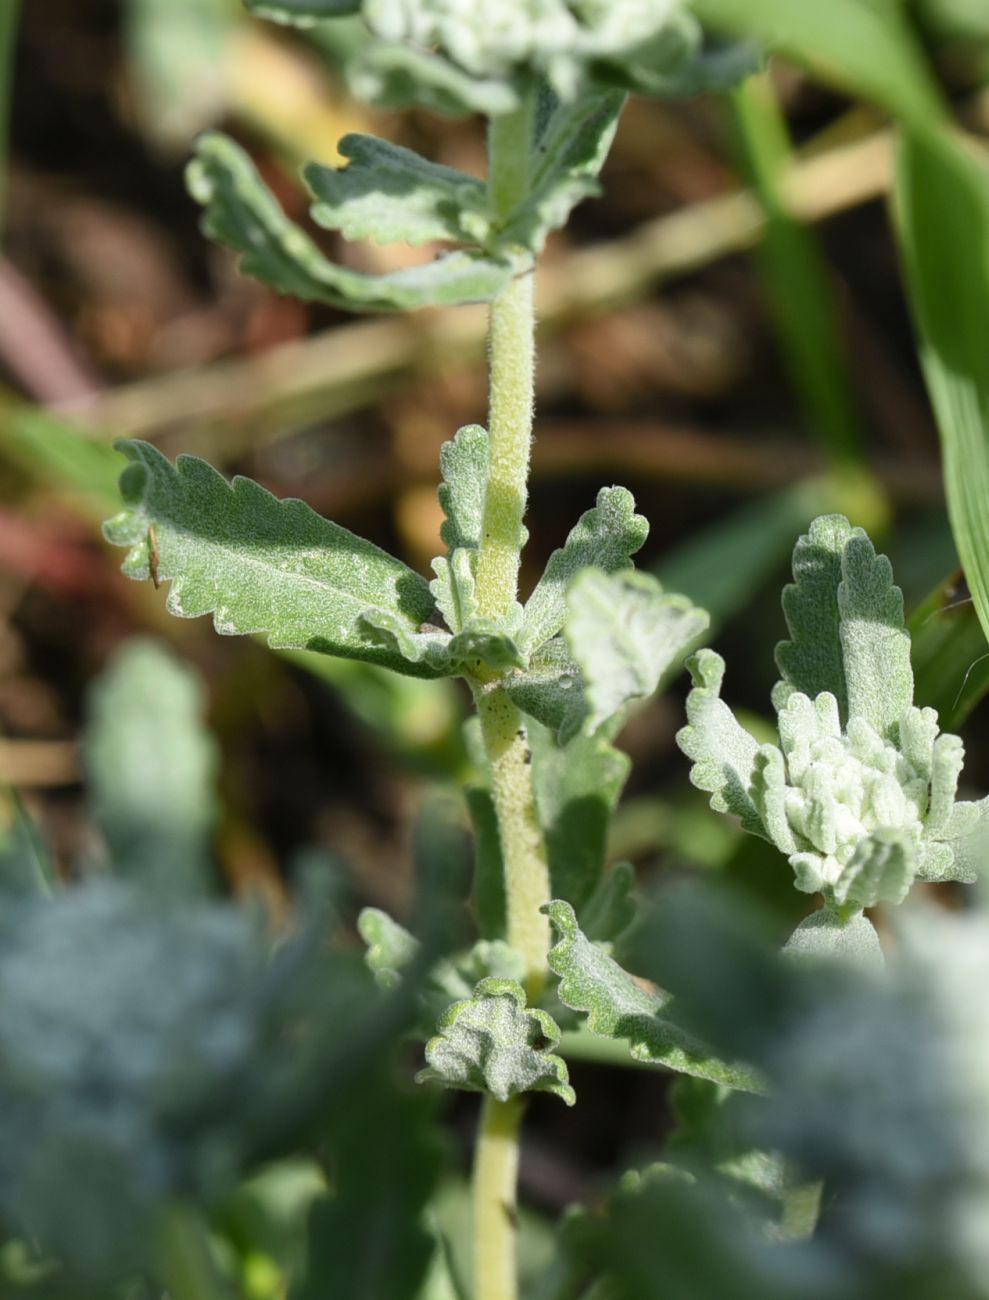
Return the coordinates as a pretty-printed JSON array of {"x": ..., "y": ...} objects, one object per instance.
[{"x": 495, "y": 1175}]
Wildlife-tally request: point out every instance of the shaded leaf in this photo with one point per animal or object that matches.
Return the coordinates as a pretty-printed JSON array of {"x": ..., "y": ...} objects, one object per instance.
[
  {"x": 241, "y": 212},
  {"x": 492, "y": 1043},
  {"x": 551, "y": 689},
  {"x": 611, "y": 908},
  {"x": 152, "y": 768},
  {"x": 569, "y": 154},
  {"x": 258, "y": 564},
  {"x": 618, "y": 1006},
  {"x": 811, "y": 661},
  {"x": 624, "y": 632},
  {"x": 606, "y": 536},
  {"x": 390, "y": 947},
  {"x": 393, "y": 195}
]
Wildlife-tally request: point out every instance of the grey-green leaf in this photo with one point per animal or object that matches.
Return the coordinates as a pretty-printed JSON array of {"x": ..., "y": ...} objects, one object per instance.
[
  {"x": 875, "y": 644},
  {"x": 152, "y": 767},
  {"x": 606, "y": 536},
  {"x": 825, "y": 935},
  {"x": 241, "y": 212},
  {"x": 551, "y": 690},
  {"x": 723, "y": 753},
  {"x": 394, "y": 74},
  {"x": 258, "y": 564},
  {"x": 464, "y": 465},
  {"x": 881, "y": 870},
  {"x": 302, "y": 13},
  {"x": 617, "y": 1006},
  {"x": 492, "y": 1043},
  {"x": 394, "y": 195},
  {"x": 390, "y": 947},
  {"x": 811, "y": 661},
  {"x": 569, "y": 155},
  {"x": 624, "y": 631},
  {"x": 577, "y": 786}
]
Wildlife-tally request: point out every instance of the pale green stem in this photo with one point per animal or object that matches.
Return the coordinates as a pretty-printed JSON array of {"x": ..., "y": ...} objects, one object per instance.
[
  {"x": 511, "y": 360},
  {"x": 8, "y": 33},
  {"x": 496, "y": 1162}
]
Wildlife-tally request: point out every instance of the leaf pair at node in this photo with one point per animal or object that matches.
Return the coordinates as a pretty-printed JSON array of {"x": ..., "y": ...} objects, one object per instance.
[{"x": 860, "y": 792}]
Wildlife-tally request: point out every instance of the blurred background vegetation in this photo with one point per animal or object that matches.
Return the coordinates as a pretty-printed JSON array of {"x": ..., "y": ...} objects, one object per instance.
[{"x": 724, "y": 332}]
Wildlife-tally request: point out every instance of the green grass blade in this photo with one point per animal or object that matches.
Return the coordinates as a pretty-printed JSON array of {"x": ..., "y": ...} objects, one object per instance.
[
  {"x": 865, "y": 48},
  {"x": 950, "y": 654},
  {"x": 796, "y": 278},
  {"x": 942, "y": 212}
]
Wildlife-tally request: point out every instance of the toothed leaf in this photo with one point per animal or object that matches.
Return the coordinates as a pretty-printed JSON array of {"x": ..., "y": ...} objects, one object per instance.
[
  {"x": 390, "y": 947},
  {"x": 569, "y": 155},
  {"x": 241, "y": 212},
  {"x": 302, "y": 13},
  {"x": 624, "y": 631},
  {"x": 875, "y": 644},
  {"x": 455, "y": 588},
  {"x": 881, "y": 870},
  {"x": 723, "y": 753},
  {"x": 617, "y": 1006},
  {"x": 606, "y": 537},
  {"x": 811, "y": 661},
  {"x": 393, "y": 195},
  {"x": 492, "y": 1043},
  {"x": 258, "y": 564},
  {"x": 464, "y": 464}
]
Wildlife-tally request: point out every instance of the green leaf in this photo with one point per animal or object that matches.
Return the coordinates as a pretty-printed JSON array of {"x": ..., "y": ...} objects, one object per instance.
[
  {"x": 390, "y": 947},
  {"x": 863, "y": 47},
  {"x": 464, "y": 465},
  {"x": 152, "y": 767},
  {"x": 611, "y": 908},
  {"x": 397, "y": 75},
  {"x": 489, "y": 874},
  {"x": 827, "y": 935},
  {"x": 624, "y": 632},
  {"x": 569, "y": 155},
  {"x": 811, "y": 661},
  {"x": 492, "y": 1043},
  {"x": 875, "y": 644},
  {"x": 393, "y": 195},
  {"x": 241, "y": 212},
  {"x": 606, "y": 536},
  {"x": 942, "y": 212},
  {"x": 723, "y": 753},
  {"x": 367, "y": 1238},
  {"x": 302, "y": 13},
  {"x": 258, "y": 564},
  {"x": 617, "y": 1006},
  {"x": 881, "y": 870},
  {"x": 577, "y": 787},
  {"x": 551, "y": 689},
  {"x": 967, "y": 836}
]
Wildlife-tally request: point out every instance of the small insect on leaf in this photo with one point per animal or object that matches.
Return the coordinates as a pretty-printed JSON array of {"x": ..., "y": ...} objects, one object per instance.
[{"x": 154, "y": 556}]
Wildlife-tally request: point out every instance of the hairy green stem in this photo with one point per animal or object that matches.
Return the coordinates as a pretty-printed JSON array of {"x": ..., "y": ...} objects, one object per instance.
[
  {"x": 511, "y": 352},
  {"x": 496, "y": 1162},
  {"x": 8, "y": 33}
]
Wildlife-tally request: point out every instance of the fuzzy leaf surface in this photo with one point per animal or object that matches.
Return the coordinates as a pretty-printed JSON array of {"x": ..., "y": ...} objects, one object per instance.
[
  {"x": 492, "y": 1043},
  {"x": 825, "y": 935},
  {"x": 811, "y": 661},
  {"x": 302, "y": 13},
  {"x": 242, "y": 213},
  {"x": 624, "y": 631},
  {"x": 724, "y": 754},
  {"x": 393, "y": 74},
  {"x": 551, "y": 689},
  {"x": 617, "y": 1006},
  {"x": 881, "y": 870},
  {"x": 258, "y": 564},
  {"x": 577, "y": 787},
  {"x": 606, "y": 537},
  {"x": 875, "y": 644},
  {"x": 393, "y": 195},
  {"x": 569, "y": 154},
  {"x": 152, "y": 766}
]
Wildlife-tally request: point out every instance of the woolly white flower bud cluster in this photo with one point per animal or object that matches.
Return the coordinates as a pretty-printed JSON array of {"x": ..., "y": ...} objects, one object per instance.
[
  {"x": 494, "y": 38},
  {"x": 848, "y": 805}
]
